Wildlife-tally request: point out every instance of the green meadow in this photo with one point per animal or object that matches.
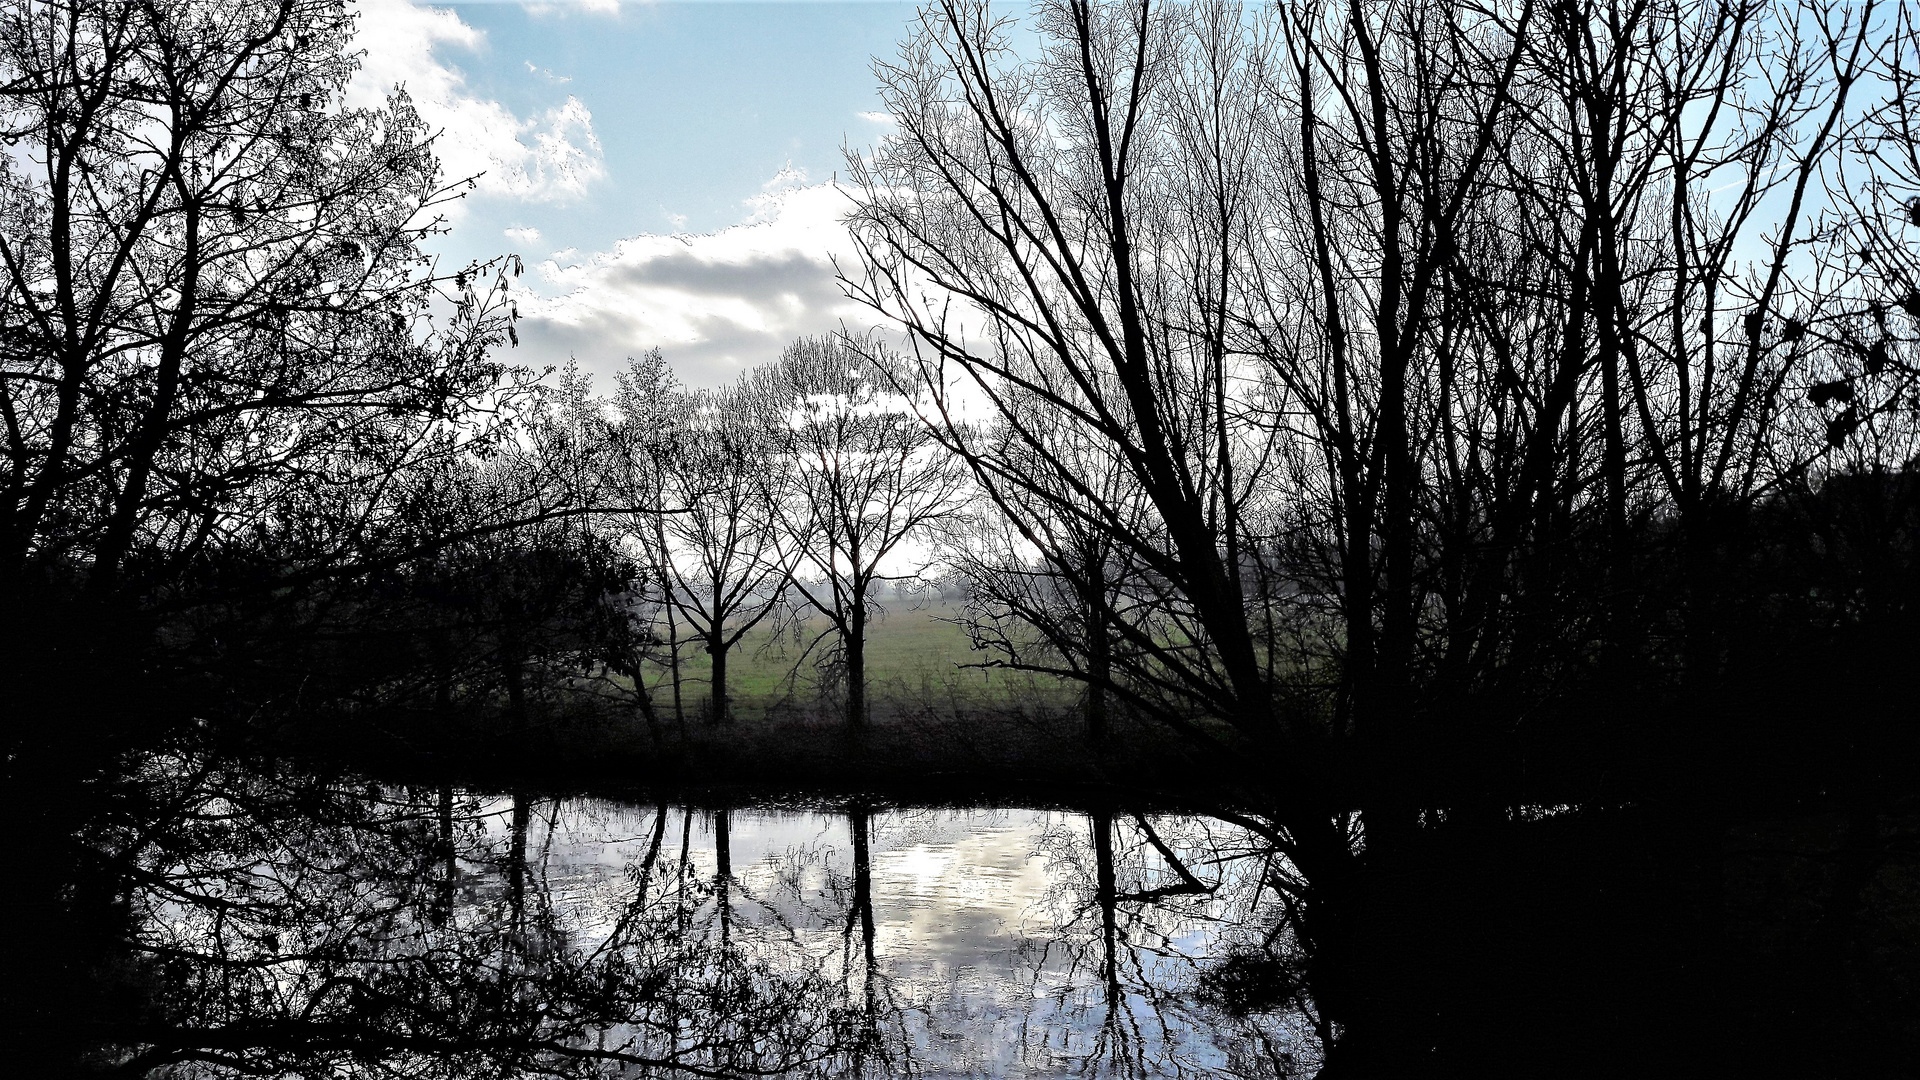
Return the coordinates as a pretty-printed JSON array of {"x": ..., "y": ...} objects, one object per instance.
[{"x": 916, "y": 652}]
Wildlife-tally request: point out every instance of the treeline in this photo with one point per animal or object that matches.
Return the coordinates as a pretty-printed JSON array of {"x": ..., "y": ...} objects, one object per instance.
[
  {"x": 250, "y": 419},
  {"x": 787, "y": 500},
  {"x": 1354, "y": 389}
]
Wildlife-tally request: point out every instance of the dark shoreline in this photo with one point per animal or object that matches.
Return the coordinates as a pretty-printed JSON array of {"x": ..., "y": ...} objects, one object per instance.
[
  {"x": 1748, "y": 929},
  {"x": 1760, "y": 936}
]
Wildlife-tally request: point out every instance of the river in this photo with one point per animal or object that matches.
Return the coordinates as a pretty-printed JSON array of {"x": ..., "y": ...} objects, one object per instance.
[
  {"x": 214, "y": 916},
  {"x": 346, "y": 927}
]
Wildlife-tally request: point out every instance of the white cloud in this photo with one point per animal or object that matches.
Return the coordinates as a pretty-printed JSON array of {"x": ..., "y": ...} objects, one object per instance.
[
  {"x": 787, "y": 178},
  {"x": 597, "y": 7},
  {"x": 526, "y": 235},
  {"x": 550, "y": 158},
  {"x": 877, "y": 117},
  {"x": 716, "y": 304}
]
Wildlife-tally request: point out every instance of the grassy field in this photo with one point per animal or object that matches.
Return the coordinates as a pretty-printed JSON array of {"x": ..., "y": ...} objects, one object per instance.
[
  {"x": 939, "y": 727},
  {"x": 915, "y": 652}
]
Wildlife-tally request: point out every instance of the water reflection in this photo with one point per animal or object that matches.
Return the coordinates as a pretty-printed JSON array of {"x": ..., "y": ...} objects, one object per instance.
[{"x": 293, "y": 926}]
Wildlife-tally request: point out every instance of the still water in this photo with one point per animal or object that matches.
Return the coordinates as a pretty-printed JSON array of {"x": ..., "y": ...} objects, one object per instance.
[{"x": 345, "y": 928}]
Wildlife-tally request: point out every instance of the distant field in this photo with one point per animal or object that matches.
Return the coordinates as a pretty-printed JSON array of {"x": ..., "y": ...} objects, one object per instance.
[{"x": 913, "y": 651}]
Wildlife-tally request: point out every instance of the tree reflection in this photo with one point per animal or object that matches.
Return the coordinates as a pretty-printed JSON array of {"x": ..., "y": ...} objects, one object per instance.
[
  {"x": 877, "y": 1019},
  {"x": 1170, "y": 954},
  {"x": 282, "y": 923},
  {"x": 291, "y": 925}
]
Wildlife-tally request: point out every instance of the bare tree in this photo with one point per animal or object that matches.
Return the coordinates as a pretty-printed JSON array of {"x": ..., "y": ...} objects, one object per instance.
[
  {"x": 1418, "y": 315},
  {"x": 1051, "y": 584},
  {"x": 727, "y": 557},
  {"x": 1040, "y": 194},
  {"x": 1028, "y": 226},
  {"x": 648, "y": 400},
  {"x": 1413, "y": 327},
  {"x": 1864, "y": 381},
  {"x": 210, "y": 278},
  {"x": 1702, "y": 302},
  {"x": 868, "y": 483}
]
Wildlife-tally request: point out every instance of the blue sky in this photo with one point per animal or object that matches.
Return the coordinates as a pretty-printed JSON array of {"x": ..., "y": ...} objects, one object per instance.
[{"x": 664, "y": 168}]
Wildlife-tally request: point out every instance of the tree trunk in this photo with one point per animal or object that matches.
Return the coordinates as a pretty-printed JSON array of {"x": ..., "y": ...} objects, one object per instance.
[
  {"x": 643, "y": 697},
  {"x": 1385, "y": 726},
  {"x": 1329, "y": 929},
  {"x": 1099, "y": 654},
  {"x": 673, "y": 670},
  {"x": 856, "y": 645},
  {"x": 717, "y": 703},
  {"x": 1611, "y": 316}
]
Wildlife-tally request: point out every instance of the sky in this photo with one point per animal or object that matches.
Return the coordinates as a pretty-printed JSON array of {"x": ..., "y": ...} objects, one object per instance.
[{"x": 665, "y": 170}]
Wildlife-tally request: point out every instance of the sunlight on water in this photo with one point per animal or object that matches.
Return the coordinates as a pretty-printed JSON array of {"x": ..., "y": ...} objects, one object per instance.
[
  {"x": 627, "y": 939},
  {"x": 988, "y": 944}
]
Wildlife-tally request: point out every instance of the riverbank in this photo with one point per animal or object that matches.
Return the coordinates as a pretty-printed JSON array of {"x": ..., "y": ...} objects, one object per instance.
[
  {"x": 1032, "y": 753},
  {"x": 1758, "y": 748}
]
